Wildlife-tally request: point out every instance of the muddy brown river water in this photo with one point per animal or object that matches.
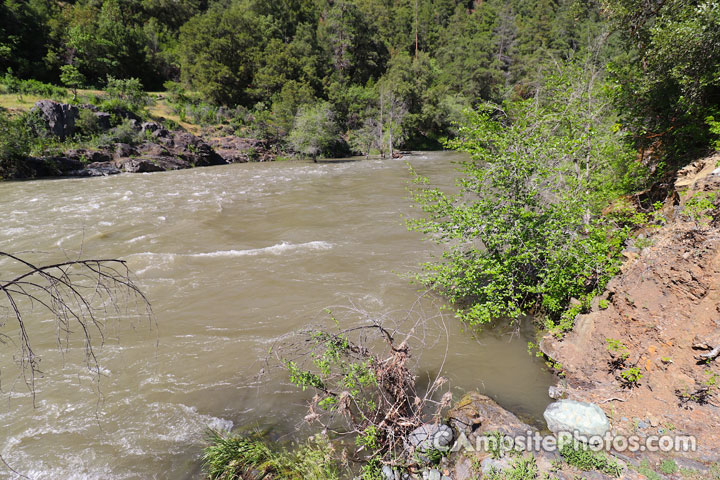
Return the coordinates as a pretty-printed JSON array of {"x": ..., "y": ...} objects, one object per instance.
[{"x": 232, "y": 258}]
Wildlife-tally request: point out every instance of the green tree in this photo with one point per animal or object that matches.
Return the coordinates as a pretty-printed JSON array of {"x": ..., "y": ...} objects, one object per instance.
[
  {"x": 525, "y": 232},
  {"x": 220, "y": 51},
  {"x": 314, "y": 131},
  {"x": 71, "y": 77},
  {"x": 671, "y": 80}
]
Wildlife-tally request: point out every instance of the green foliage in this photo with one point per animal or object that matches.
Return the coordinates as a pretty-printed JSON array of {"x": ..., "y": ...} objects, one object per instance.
[
  {"x": 581, "y": 456},
  {"x": 232, "y": 457},
  {"x": 87, "y": 122},
  {"x": 129, "y": 91},
  {"x": 221, "y": 48},
  {"x": 525, "y": 233},
  {"x": 314, "y": 132},
  {"x": 15, "y": 141},
  {"x": 122, "y": 133},
  {"x": 631, "y": 376},
  {"x": 71, "y": 77},
  {"x": 668, "y": 84},
  {"x": 368, "y": 439},
  {"x": 698, "y": 208},
  {"x": 668, "y": 466},
  {"x": 603, "y": 304},
  {"x": 617, "y": 348},
  {"x": 13, "y": 84},
  {"x": 645, "y": 469},
  {"x": 521, "y": 469}
]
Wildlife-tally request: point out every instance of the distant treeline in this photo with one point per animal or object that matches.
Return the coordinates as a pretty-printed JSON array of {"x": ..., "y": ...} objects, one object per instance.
[{"x": 406, "y": 68}]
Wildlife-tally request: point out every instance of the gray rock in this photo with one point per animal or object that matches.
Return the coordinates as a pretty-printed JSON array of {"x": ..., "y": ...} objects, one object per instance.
[
  {"x": 498, "y": 465},
  {"x": 59, "y": 118},
  {"x": 579, "y": 418},
  {"x": 432, "y": 475},
  {"x": 716, "y": 172},
  {"x": 103, "y": 120},
  {"x": 641, "y": 423},
  {"x": 150, "y": 127},
  {"x": 389, "y": 474},
  {"x": 102, "y": 169},
  {"x": 556, "y": 393},
  {"x": 429, "y": 437},
  {"x": 123, "y": 150},
  {"x": 141, "y": 165}
]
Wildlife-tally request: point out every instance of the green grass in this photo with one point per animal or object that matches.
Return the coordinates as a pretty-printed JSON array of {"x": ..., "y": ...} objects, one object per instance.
[
  {"x": 581, "y": 457},
  {"x": 231, "y": 457}
]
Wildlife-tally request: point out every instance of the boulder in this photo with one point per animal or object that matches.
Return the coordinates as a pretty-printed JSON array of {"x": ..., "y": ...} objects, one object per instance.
[
  {"x": 429, "y": 437},
  {"x": 152, "y": 149},
  {"x": 580, "y": 418},
  {"x": 195, "y": 151},
  {"x": 59, "y": 117},
  {"x": 123, "y": 150},
  {"x": 102, "y": 169},
  {"x": 84, "y": 155},
  {"x": 476, "y": 414},
  {"x": 104, "y": 120},
  {"x": 32, "y": 167},
  {"x": 141, "y": 165}
]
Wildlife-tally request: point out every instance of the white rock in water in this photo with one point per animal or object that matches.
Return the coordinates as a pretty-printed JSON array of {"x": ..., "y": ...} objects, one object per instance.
[{"x": 579, "y": 418}]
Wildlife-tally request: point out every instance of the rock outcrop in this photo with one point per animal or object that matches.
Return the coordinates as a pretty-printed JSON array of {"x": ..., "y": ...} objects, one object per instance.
[{"x": 59, "y": 117}]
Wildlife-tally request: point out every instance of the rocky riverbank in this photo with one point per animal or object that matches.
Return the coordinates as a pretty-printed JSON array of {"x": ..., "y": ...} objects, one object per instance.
[
  {"x": 152, "y": 148},
  {"x": 643, "y": 362}
]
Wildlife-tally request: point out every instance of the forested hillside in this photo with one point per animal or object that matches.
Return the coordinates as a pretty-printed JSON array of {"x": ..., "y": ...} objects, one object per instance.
[
  {"x": 406, "y": 68},
  {"x": 420, "y": 62}
]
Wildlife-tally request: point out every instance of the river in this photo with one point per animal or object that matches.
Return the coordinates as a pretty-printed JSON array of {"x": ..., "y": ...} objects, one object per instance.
[{"x": 231, "y": 258}]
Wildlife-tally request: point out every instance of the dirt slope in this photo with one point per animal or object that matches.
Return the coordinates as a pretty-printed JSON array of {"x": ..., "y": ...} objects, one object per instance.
[{"x": 665, "y": 303}]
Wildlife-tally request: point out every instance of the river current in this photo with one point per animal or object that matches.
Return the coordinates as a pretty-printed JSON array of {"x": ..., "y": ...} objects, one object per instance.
[{"x": 232, "y": 258}]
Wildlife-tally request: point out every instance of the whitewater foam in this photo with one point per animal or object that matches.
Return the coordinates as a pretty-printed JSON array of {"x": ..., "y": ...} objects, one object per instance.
[{"x": 277, "y": 249}]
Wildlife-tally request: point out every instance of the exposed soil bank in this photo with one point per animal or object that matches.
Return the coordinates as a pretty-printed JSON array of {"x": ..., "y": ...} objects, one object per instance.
[{"x": 662, "y": 313}]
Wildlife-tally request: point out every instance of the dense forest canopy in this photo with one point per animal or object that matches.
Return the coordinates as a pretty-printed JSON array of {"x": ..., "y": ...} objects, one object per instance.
[
  {"x": 406, "y": 68},
  {"x": 425, "y": 60}
]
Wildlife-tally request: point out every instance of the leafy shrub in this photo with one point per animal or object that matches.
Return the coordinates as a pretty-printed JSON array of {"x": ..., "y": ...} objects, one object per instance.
[
  {"x": 123, "y": 133},
  {"x": 314, "y": 131},
  {"x": 631, "y": 376},
  {"x": 129, "y": 90},
  {"x": 526, "y": 234},
  {"x": 13, "y": 84},
  {"x": 521, "y": 469},
  {"x": 699, "y": 206},
  {"x": 87, "y": 122}
]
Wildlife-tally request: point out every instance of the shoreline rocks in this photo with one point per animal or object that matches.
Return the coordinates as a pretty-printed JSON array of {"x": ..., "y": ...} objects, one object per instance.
[{"x": 162, "y": 150}]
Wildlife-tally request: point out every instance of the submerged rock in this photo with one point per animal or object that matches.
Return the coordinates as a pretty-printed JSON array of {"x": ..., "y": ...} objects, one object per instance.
[{"x": 580, "y": 418}]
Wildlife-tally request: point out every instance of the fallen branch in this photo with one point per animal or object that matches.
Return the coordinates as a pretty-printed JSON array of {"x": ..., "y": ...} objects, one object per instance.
[{"x": 79, "y": 294}]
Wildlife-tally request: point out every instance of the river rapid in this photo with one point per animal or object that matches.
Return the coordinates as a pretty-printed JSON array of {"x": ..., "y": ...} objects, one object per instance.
[{"x": 231, "y": 258}]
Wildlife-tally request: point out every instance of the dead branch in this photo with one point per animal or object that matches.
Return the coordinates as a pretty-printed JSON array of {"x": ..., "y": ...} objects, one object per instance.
[
  {"x": 711, "y": 355},
  {"x": 79, "y": 294}
]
